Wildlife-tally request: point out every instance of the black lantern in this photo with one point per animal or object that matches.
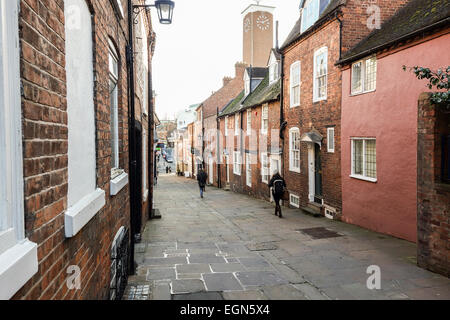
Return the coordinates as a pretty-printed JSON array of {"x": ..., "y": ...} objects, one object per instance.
[
  {"x": 163, "y": 7},
  {"x": 165, "y": 10}
]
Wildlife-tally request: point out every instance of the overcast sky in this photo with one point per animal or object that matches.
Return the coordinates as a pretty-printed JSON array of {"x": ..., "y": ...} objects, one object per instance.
[{"x": 201, "y": 47}]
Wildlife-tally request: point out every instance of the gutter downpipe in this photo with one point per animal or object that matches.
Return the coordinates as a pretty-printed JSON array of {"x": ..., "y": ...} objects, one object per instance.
[
  {"x": 131, "y": 135},
  {"x": 340, "y": 34},
  {"x": 218, "y": 135}
]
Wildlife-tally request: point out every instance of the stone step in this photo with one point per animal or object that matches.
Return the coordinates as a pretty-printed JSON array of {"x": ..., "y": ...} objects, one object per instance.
[{"x": 315, "y": 212}]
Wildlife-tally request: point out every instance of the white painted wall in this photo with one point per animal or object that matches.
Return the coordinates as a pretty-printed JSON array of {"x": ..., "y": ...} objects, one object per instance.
[{"x": 80, "y": 101}]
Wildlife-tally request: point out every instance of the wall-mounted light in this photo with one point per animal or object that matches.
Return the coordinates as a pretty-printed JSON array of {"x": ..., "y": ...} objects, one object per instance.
[{"x": 163, "y": 7}]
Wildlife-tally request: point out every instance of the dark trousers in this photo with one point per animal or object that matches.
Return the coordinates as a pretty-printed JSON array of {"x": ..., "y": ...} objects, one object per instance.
[
  {"x": 202, "y": 190},
  {"x": 277, "y": 206}
]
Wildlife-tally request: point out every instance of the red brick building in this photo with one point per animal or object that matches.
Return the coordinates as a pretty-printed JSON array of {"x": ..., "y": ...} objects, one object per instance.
[
  {"x": 67, "y": 196},
  {"x": 249, "y": 128},
  {"x": 312, "y": 97}
]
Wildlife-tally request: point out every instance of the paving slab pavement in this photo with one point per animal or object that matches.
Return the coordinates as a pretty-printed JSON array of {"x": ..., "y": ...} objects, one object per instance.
[{"x": 231, "y": 246}]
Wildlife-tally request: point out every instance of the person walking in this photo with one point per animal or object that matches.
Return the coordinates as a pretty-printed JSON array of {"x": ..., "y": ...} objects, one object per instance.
[
  {"x": 202, "y": 177},
  {"x": 277, "y": 184}
]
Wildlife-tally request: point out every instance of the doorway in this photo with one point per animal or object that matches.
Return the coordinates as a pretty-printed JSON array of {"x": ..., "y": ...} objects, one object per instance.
[
  {"x": 136, "y": 219},
  {"x": 315, "y": 173}
]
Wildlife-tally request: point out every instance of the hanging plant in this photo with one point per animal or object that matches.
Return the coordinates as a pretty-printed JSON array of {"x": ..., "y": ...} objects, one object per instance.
[{"x": 436, "y": 80}]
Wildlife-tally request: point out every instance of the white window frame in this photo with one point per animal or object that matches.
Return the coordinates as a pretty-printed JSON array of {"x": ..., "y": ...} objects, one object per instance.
[
  {"x": 291, "y": 151},
  {"x": 363, "y": 86},
  {"x": 274, "y": 69},
  {"x": 249, "y": 122},
  {"x": 264, "y": 118},
  {"x": 315, "y": 14},
  {"x": 265, "y": 170},
  {"x": 237, "y": 126},
  {"x": 293, "y": 84},
  {"x": 114, "y": 78},
  {"x": 316, "y": 77},
  {"x": 293, "y": 204},
  {"x": 18, "y": 255},
  {"x": 248, "y": 171},
  {"x": 237, "y": 163},
  {"x": 364, "y": 175},
  {"x": 247, "y": 83},
  {"x": 226, "y": 126},
  {"x": 331, "y": 140}
]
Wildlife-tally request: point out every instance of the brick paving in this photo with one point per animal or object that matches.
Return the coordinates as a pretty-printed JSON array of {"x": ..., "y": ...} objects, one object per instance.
[{"x": 231, "y": 246}]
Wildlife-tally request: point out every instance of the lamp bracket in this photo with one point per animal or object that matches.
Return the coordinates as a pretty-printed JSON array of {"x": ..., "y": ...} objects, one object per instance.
[{"x": 137, "y": 9}]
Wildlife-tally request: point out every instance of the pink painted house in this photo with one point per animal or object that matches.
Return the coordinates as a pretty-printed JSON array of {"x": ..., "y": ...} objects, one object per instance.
[{"x": 380, "y": 116}]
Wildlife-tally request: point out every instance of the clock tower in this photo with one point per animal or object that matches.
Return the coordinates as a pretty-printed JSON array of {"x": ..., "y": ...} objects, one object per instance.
[{"x": 258, "y": 34}]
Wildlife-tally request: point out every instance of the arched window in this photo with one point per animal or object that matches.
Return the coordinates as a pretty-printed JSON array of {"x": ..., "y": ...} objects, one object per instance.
[{"x": 84, "y": 199}]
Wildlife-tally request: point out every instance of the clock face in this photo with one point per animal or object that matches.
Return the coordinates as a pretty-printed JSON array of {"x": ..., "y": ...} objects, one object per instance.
[
  {"x": 263, "y": 22},
  {"x": 247, "y": 25}
]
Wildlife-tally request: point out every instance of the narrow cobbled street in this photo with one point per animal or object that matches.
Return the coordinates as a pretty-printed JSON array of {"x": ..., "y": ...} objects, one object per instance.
[{"x": 231, "y": 246}]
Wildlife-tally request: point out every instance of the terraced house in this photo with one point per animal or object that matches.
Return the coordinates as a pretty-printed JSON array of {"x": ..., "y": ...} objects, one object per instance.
[
  {"x": 250, "y": 130},
  {"x": 66, "y": 114},
  {"x": 311, "y": 113}
]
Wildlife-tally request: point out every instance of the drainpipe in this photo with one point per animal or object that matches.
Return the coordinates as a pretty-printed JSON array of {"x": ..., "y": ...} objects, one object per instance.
[
  {"x": 283, "y": 123},
  {"x": 131, "y": 135},
  {"x": 340, "y": 35},
  {"x": 219, "y": 179}
]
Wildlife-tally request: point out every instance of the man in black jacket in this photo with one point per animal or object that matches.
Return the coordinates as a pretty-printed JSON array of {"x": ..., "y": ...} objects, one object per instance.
[
  {"x": 202, "y": 177},
  {"x": 278, "y": 185}
]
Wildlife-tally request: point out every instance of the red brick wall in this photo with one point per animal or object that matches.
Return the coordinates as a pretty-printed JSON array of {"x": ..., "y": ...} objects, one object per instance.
[
  {"x": 355, "y": 18},
  {"x": 315, "y": 116},
  {"x": 46, "y": 146},
  {"x": 224, "y": 95},
  {"x": 433, "y": 208}
]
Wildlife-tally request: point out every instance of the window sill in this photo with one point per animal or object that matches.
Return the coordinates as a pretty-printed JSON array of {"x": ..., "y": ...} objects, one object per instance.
[
  {"x": 360, "y": 93},
  {"x": 118, "y": 184},
  {"x": 294, "y": 106},
  {"x": 354, "y": 176},
  {"x": 295, "y": 170},
  {"x": 77, "y": 216},
  {"x": 319, "y": 100},
  {"x": 17, "y": 266}
]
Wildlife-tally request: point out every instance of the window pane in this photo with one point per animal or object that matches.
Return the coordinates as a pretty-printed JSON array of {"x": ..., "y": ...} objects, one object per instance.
[
  {"x": 371, "y": 74},
  {"x": 356, "y": 77},
  {"x": 114, "y": 125},
  {"x": 358, "y": 157},
  {"x": 371, "y": 159},
  {"x": 296, "y": 95},
  {"x": 331, "y": 139}
]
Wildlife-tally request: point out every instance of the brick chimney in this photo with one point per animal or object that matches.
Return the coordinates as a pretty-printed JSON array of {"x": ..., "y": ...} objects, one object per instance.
[
  {"x": 240, "y": 69},
  {"x": 226, "y": 81}
]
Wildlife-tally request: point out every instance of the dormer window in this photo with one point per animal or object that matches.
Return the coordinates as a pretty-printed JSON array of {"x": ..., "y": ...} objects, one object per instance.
[
  {"x": 312, "y": 9},
  {"x": 247, "y": 83},
  {"x": 273, "y": 72}
]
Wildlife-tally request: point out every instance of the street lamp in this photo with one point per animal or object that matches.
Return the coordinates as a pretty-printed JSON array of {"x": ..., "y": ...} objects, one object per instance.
[{"x": 163, "y": 7}]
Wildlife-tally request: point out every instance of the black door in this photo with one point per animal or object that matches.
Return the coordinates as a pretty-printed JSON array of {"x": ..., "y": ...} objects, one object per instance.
[
  {"x": 318, "y": 175},
  {"x": 137, "y": 188}
]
